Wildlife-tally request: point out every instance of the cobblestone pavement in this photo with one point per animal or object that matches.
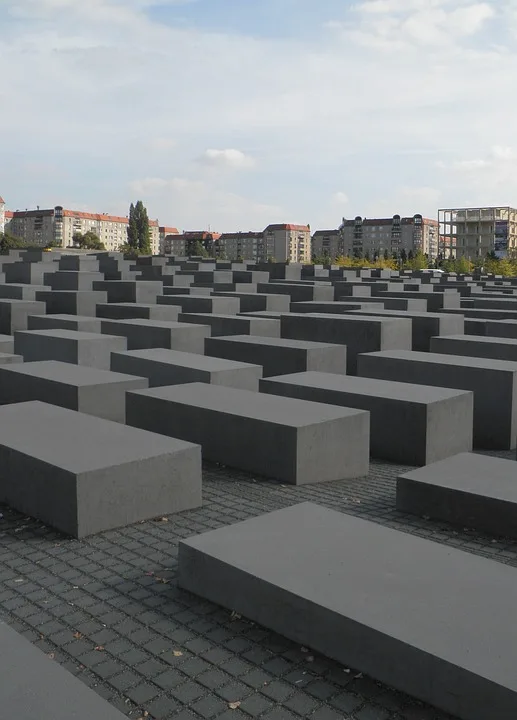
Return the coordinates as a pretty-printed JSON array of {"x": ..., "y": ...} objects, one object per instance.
[{"x": 108, "y": 609}]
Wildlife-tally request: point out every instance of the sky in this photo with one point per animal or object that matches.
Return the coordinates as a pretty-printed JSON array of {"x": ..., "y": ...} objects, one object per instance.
[{"x": 233, "y": 114}]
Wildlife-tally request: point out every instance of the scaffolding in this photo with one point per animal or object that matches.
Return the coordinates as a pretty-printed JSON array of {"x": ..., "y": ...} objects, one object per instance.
[{"x": 476, "y": 232}]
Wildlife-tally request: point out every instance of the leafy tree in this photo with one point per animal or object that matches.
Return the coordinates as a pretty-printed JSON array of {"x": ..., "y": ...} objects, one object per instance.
[
  {"x": 403, "y": 255},
  {"x": 463, "y": 265},
  {"x": 418, "y": 262},
  {"x": 198, "y": 249},
  {"x": 138, "y": 230},
  {"x": 88, "y": 241},
  {"x": 386, "y": 254},
  {"x": 10, "y": 242}
]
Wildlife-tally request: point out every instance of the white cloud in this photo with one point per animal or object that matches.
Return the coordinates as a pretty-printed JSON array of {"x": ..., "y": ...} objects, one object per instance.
[
  {"x": 229, "y": 158},
  {"x": 340, "y": 198}
]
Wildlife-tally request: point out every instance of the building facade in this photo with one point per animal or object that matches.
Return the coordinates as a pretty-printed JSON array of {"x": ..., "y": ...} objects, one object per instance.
[
  {"x": 475, "y": 232},
  {"x": 164, "y": 231},
  {"x": 327, "y": 244},
  {"x": 241, "y": 246},
  {"x": 2, "y": 215},
  {"x": 57, "y": 227},
  {"x": 188, "y": 243},
  {"x": 371, "y": 236},
  {"x": 287, "y": 242}
]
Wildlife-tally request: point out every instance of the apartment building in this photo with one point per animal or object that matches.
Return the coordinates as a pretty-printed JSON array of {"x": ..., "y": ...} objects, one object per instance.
[
  {"x": 57, "y": 226},
  {"x": 164, "y": 231},
  {"x": 183, "y": 244},
  {"x": 328, "y": 244},
  {"x": 363, "y": 236},
  {"x": 288, "y": 242},
  {"x": 474, "y": 232},
  {"x": 2, "y": 214},
  {"x": 241, "y": 245}
]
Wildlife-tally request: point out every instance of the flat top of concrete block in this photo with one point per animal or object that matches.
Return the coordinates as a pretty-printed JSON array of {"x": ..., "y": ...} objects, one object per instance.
[
  {"x": 26, "y": 285},
  {"x": 63, "y": 333},
  {"x": 505, "y": 322},
  {"x": 424, "y": 394},
  {"x": 245, "y": 403},
  {"x": 382, "y": 579},
  {"x": 67, "y": 373},
  {"x": 276, "y": 342},
  {"x": 129, "y": 305},
  {"x": 186, "y": 359},
  {"x": 443, "y": 359},
  {"x": 144, "y": 322},
  {"x": 369, "y": 319},
  {"x": 487, "y": 340},
  {"x": 64, "y": 316},
  {"x": 34, "y": 687},
  {"x": 6, "y": 338},
  {"x": 16, "y": 301},
  {"x": 192, "y": 296},
  {"x": 91, "y": 293},
  {"x": 4, "y": 356},
  {"x": 409, "y": 314},
  {"x": 222, "y": 316},
  {"x": 471, "y": 473},
  {"x": 76, "y": 442}
]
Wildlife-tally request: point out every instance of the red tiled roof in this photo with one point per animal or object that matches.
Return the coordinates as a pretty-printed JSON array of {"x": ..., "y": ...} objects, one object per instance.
[
  {"x": 288, "y": 226},
  {"x": 169, "y": 230},
  {"x": 9, "y": 214}
]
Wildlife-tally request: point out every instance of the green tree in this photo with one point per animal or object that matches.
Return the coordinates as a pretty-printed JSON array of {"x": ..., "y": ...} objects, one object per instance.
[
  {"x": 138, "y": 230},
  {"x": 10, "y": 242},
  {"x": 463, "y": 265},
  {"x": 88, "y": 241},
  {"x": 419, "y": 261},
  {"x": 386, "y": 255}
]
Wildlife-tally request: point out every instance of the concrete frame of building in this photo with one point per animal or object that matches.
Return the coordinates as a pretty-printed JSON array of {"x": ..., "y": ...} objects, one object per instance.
[{"x": 476, "y": 232}]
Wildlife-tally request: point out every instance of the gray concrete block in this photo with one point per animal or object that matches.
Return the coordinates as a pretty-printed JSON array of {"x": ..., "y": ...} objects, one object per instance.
[
  {"x": 202, "y": 303},
  {"x": 337, "y": 308},
  {"x": 9, "y": 358},
  {"x": 436, "y": 301},
  {"x": 31, "y": 273},
  {"x": 137, "y": 291},
  {"x": 476, "y": 346},
  {"x": 399, "y": 303},
  {"x": 72, "y": 279},
  {"x": 21, "y": 291},
  {"x": 359, "y": 334},
  {"x": 77, "y": 387},
  {"x": 146, "y": 334},
  {"x": 79, "y": 263},
  {"x": 51, "y": 473},
  {"x": 71, "y": 302},
  {"x": 14, "y": 314},
  {"x": 355, "y": 591},
  {"x": 468, "y": 490},
  {"x": 299, "y": 292},
  {"x": 7, "y": 343},
  {"x": 410, "y": 424},
  {"x": 424, "y": 325},
  {"x": 70, "y": 346},
  {"x": 279, "y": 356},
  {"x": 82, "y": 323},
  {"x": 170, "y": 367},
  {"x": 222, "y": 325},
  {"x": 493, "y": 382},
  {"x": 253, "y": 302},
  {"x": 36, "y": 687},
  {"x": 294, "y": 441},
  {"x": 500, "y": 328},
  {"x": 127, "y": 311}
]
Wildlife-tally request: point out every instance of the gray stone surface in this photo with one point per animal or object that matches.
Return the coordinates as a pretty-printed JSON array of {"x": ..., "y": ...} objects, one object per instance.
[
  {"x": 202, "y": 303},
  {"x": 436, "y": 301},
  {"x": 34, "y": 687},
  {"x": 171, "y": 367},
  {"x": 411, "y": 424},
  {"x": 294, "y": 441},
  {"x": 137, "y": 291},
  {"x": 51, "y": 473},
  {"x": 359, "y": 334},
  {"x": 7, "y": 343},
  {"x": 252, "y": 301},
  {"x": 79, "y": 348},
  {"x": 81, "y": 323},
  {"x": 221, "y": 325},
  {"x": 279, "y": 356},
  {"x": 145, "y": 334},
  {"x": 126, "y": 311},
  {"x": 9, "y": 358},
  {"x": 493, "y": 382},
  {"x": 498, "y": 348},
  {"x": 72, "y": 279},
  {"x": 21, "y": 291},
  {"x": 425, "y": 325},
  {"x": 299, "y": 292},
  {"x": 72, "y": 302},
  {"x": 467, "y": 490},
  {"x": 77, "y": 387},
  {"x": 297, "y": 572},
  {"x": 14, "y": 314}
]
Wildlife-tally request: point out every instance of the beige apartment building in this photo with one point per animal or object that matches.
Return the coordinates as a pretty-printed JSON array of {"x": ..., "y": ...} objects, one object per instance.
[
  {"x": 475, "y": 232},
  {"x": 368, "y": 236},
  {"x": 328, "y": 244},
  {"x": 2, "y": 214},
  {"x": 57, "y": 226}
]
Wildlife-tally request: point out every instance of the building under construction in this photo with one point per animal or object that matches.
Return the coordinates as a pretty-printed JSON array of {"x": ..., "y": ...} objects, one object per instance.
[{"x": 475, "y": 232}]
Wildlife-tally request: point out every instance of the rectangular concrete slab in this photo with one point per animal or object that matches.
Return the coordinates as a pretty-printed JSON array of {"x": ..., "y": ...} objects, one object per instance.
[
  {"x": 171, "y": 367},
  {"x": 14, "y": 314},
  {"x": 202, "y": 303},
  {"x": 411, "y": 424},
  {"x": 279, "y": 356},
  {"x": 493, "y": 382},
  {"x": 7, "y": 343},
  {"x": 10, "y": 358},
  {"x": 127, "y": 311},
  {"x": 77, "y": 387},
  {"x": 476, "y": 346},
  {"x": 221, "y": 325},
  {"x": 48, "y": 470},
  {"x": 21, "y": 291},
  {"x": 35, "y": 687},
  {"x": 468, "y": 490},
  {"x": 299, "y": 292},
  {"x": 254, "y": 302},
  {"x": 71, "y": 302},
  {"x": 359, "y": 334},
  {"x": 145, "y": 334},
  {"x": 79, "y": 348},
  {"x": 294, "y": 441},
  {"x": 81, "y": 323},
  {"x": 427, "y": 619},
  {"x": 137, "y": 291}
]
